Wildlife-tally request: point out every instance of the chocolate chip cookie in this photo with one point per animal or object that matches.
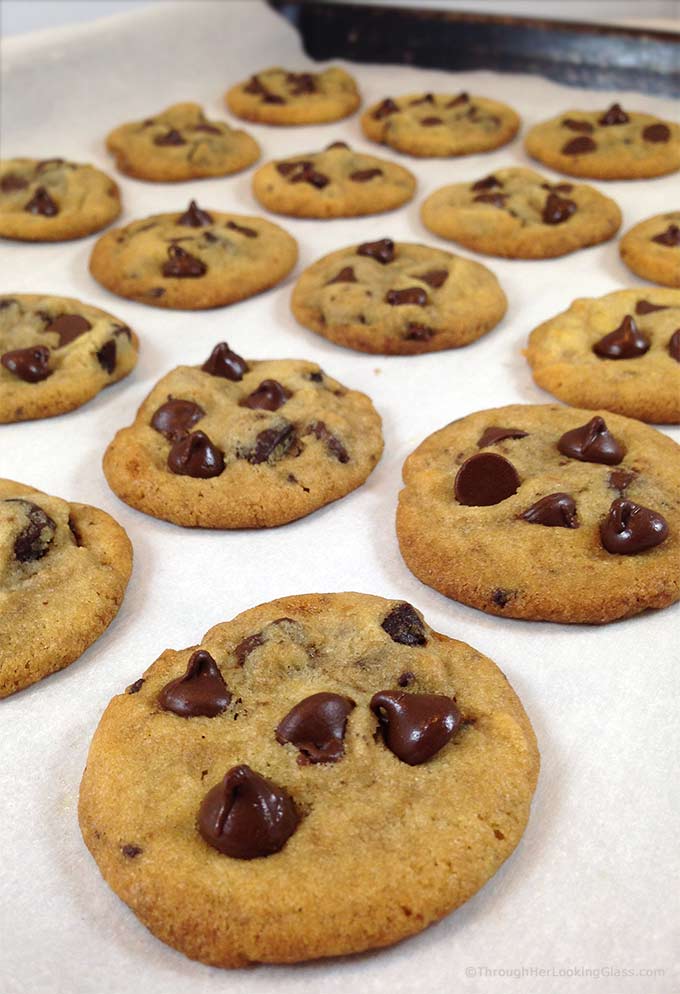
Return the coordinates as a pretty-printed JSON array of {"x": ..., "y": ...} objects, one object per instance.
[
  {"x": 652, "y": 249},
  {"x": 63, "y": 573},
  {"x": 440, "y": 124},
  {"x": 193, "y": 260},
  {"x": 519, "y": 214},
  {"x": 278, "y": 96},
  {"x": 244, "y": 444},
  {"x": 51, "y": 200},
  {"x": 57, "y": 353},
  {"x": 322, "y": 775},
  {"x": 609, "y": 144},
  {"x": 398, "y": 298},
  {"x": 180, "y": 143},
  {"x": 620, "y": 352},
  {"x": 545, "y": 513},
  {"x": 337, "y": 182}
]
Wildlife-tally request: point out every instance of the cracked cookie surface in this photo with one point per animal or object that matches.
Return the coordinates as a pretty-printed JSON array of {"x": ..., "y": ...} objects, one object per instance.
[
  {"x": 357, "y": 818},
  {"x": 545, "y": 513},
  {"x": 279, "y": 96},
  {"x": 652, "y": 249},
  {"x": 64, "y": 568}
]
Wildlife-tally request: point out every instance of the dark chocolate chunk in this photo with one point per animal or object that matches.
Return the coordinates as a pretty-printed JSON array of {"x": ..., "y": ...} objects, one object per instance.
[
  {"x": 333, "y": 444},
  {"x": 181, "y": 265},
  {"x": 346, "y": 275},
  {"x": 30, "y": 365},
  {"x": 10, "y": 181},
  {"x": 287, "y": 168},
  {"x": 625, "y": 342},
  {"x": 387, "y": 107},
  {"x": 194, "y": 217},
  {"x": 495, "y": 199},
  {"x": 418, "y": 332},
  {"x": 317, "y": 727},
  {"x": 630, "y": 528},
  {"x": 316, "y": 376},
  {"x": 488, "y": 183},
  {"x": 485, "y": 479},
  {"x": 175, "y": 417},
  {"x": 34, "y": 541},
  {"x": 269, "y": 396},
  {"x": 669, "y": 237},
  {"x": 557, "y": 209},
  {"x": 404, "y": 625},
  {"x": 494, "y": 434},
  {"x": 583, "y": 126},
  {"x": 242, "y": 230},
  {"x": 130, "y": 850},
  {"x": 195, "y": 455},
  {"x": 364, "y": 175},
  {"x": 431, "y": 122},
  {"x": 300, "y": 82},
  {"x": 308, "y": 174},
  {"x": 225, "y": 363},
  {"x": 172, "y": 137},
  {"x": 272, "y": 442},
  {"x": 674, "y": 345},
  {"x": 656, "y": 133},
  {"x": 106, "y": 356},
  {"x": 135, "y": 687},
  {"x": 382, "y": 251},
  {"x": 68, "y": 327},
  {"x": 42, "y": 203},
  {"x": 246, "y": 816},
  {"x": 555, "y": 511},
  {"x": 434, "y": 278},
  {"x": 415, "y": 727},
  {"x": 200, "y": 691},
  {"x": 591, "y": 442},
  {"x": 615, "y": 115},
  {"x": 411, "y": 295},
  {"x": 579, "y": 146},
  {"x": 621, "y": 479},
  {"x": 645, "y": 306}
]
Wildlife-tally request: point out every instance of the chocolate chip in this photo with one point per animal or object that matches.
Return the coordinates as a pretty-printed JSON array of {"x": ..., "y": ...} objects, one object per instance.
[
  {"x": 411, "y": 295},
  {"x": 558, "y": 187},
  {"x": 555, "y": 511},
  {"x": 68, "y": 327},
  {"x": 195, "y": 455},
  {"x": 122, "y": 329},
  {"x": 131, "y": 850},
  {"x": 174, "y": 418},
  {"x": 172, "y": 137},
  {"x": 242, "y": 230},
  {"x": 591, "y": 442},
  {"x": 181, "y": 265},
  {"x": 333, "y": 444},
  {"x": 6, "y": 302},
  {"x": 387, "y": 107},
  {"x": 200, "y": 691},
  {"x": 495, "y": 199},
  {"x": 225, "y": 363},
  {"x": 269, "y": 396},
  {"x": 245, "y": 647},
  {"x": 615, "y": 115},
  {"x": 337, "y": 145},
  {"x": 462, "y": 98},
  {"x": 135, "y": 687},
  {"x": 585, "y": 126},
  {"x": 316, "y": 726},
  {"x": 155, "y": 291},
  {"x": 406, "y": 678},
  {"x": 345, "y": 275},
  {"x": 34, "y": 541},
  {"x": 287, "y": 168},
  {"x": 271, "y": 442},
  {"x": 308, "y": 174},
  {"x": 557, "y": 209},
  {"x": 625, "y": 342},
  {"x": 106, "y": 357},
  {"x": 316, "y": 377},
  {"x": 364, "y": 175},
  {"x": 418, "y": 332},
  {"x": 246, "y": 816},
  {"x": 254, "y": 86},
  {"x": 656, "y": 133},
  {"x": 669, "y": 237},
  {"x": 500, "y": 597},
  {"x": 488, "y": 183},
  {"x": 494, "y": 434},
  {"x": 579, "y": 146},
  {"x": 430, "y": 122},
  {"x": 194, "y": 217},
  {"x": 46, "y": 164},
  {"x": 209, "y": 128},
  {"x": 415, "y": 727},
  {"x": 427, "y": 99},
  {"x": 435, "y": 278},
  {"x": 10, "y": 182},
  {"x": 646, "y": 307},
  {"x": 30, "y": 365},
  {"x": 301, "y": 82},
  {"x": 485, "y": 479},
  {"x": 404, "y": 625},
  {"x": 42, "y": 203},
  {"x": 621, "y": 479},
  {"x": 674, "y": 346},
  {"x": 630, "y": 528},
  {"x": 382, "y": 251}
]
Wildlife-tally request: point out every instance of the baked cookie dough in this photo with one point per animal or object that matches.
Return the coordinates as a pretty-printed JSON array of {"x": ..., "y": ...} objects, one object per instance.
[
  {"x": 278, "y": 96},
  {"x": 440, "y": 124},
  {"x": 236, "y": 444},
  {"x": 193, "y": 260},
  {"x": 180, "y": 143},
  {"x": 620, "y": 352},
  {"x": 322, "y": 775},
  {"x": 519, "y": 214},
  {"x": 337, "y": 182},
  {"x": 398, "y": 298},
  {"x": 64, "y": 568},
  {"x": 51, "y": 200},
  {"x": 652, "y": 249},
  {"x": 609, "y": 144},
  {"x": 57, "y": 353},
  {"x": 545, "y": 513}
]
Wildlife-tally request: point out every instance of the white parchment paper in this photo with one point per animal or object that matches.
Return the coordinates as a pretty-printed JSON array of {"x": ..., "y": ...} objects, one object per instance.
[{"x": 589, "y": 902}]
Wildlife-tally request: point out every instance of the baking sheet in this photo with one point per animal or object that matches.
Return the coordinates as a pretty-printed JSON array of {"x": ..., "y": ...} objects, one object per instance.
[{"x": 589, "y": 902}]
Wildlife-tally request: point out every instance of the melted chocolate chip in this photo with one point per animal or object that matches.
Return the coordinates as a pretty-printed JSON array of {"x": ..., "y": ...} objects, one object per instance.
[
  {"x": 300, "y": 82},
  {"x": 10, "y": 182},
  {"x": 364, "y": 175},
  {"x": 646, "y": 307},
  {"x": 427, "y": 99},
  {"x": 621, "y": 479},
  {"x": 333, "y": 444},
  {"x": 195, "y": 455},
  {"x": 494, "y": 434},
  {"x": 270, "y": 442},
  {"x": 494, "y": 199},
  {"x": 488, "y": 183},
  {"x": 630, "y": 528},
  {"x": 174, "y": 418},
  {"x": 579, "y": 146},
  {"x": 382, "y": 251},
  {"x": 557, "y": 209},
  {"x": 242, "y": 230},
  {"x": 485, "y": 479},
  {"x": 555, "y": 511},
  {"x": 106, "y": 357},
  {"x": 591, "y": 442},
  {"x": 246, "y": 816},
  {"x": 674, "y": 346},
  {"x": 286, "y": 168},
  {"x": 615, "y": 115},
  {"x": 462, "y": 98},
  {"x": 415, "y": 727},
  {"x": 625, "y": 342},
  {"x": 131, "y": 850},
  {"x": 182, "y": 265},
  {"x": 245, "y": 647},
  {"x": 345, "y": 275},
  {"x": 411, "y": 295},
  {"x": 254, "y": 86},
  {"x": 669, "y": 237},
  {"x": 46, "y": 164},
  {"x": 42, "y": 203},
  {"x": 225, "y": 363},
  {"x": 317, "y": 727},
  {"x": 311, "y": 176},
  {"x": 269, "y": 396},
  {"x": 172, "y": 137},
  {"x": 194, "y": 217},
  {"x": 584, "y": 126},
  {"x": 200, "y": 691},
  {"x": 68, "y": 327},
  {"x": 135, "y": 687},
  {"x": 406, "y": 678},
  {"x": 431, "y": 122},
  {"x": 34, "y": 541},
  {"x": 558, "y": 187},
  {"x": 418, "y": 332},
  {"x": 404, "y": 625},
  {"x": 387, "y": 107},
  {"x": 656, "y": 133},
  {"x": 435, "y": 278},
  {"x": 31, "y": 365},
  {"x": 500, "y": 597},
  {"x": 272, "y": 98},
  {"x": 209, "y": 128}
]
